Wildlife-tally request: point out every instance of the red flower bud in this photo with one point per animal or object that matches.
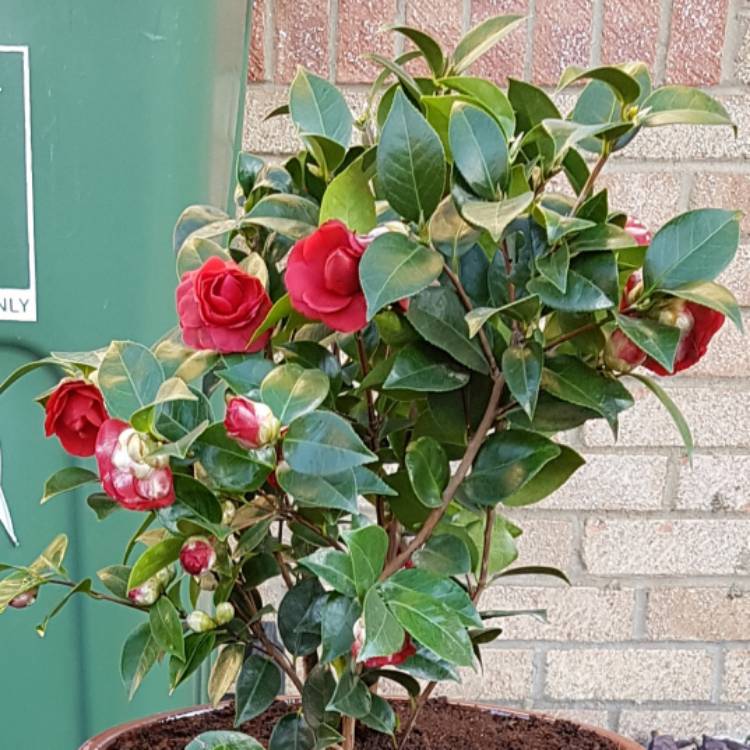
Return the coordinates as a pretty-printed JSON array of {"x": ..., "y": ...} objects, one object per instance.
[
  {"x": 24, "y": 600},
  {"x": 147, "y": 593},
  {"x": 197, "y": 555},
  {"x": 75, "y": 412},
  {"x": 621, "y": 354},
  {"x": 250, "y": 423},
  {"x": 638, "y": 231},
  {"x": 130, "y": 478},
  {"x": 378, "y": 662}
]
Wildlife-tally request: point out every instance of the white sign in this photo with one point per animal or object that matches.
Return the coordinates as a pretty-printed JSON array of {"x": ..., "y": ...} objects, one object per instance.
[{"x": 17, "y": 300}]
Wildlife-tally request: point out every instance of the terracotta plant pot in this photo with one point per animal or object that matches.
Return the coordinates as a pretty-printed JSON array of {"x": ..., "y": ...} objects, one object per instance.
[{"x": 106, "y": 740}]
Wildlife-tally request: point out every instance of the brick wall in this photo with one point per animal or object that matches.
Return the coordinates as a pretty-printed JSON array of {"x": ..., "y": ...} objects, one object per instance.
[{"x": 655, "y": 632}]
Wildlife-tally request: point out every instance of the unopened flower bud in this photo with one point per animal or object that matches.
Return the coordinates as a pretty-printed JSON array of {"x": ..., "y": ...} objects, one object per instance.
[
  {"x": 251, "y": 423},
  {"x": 207, "y": 581},
  {"x": 147, "y": 593},
  {"x": 200, "y": 622},
  {"x": 228, "y": 512},
  {"x": 26, "y": 599},
  {"x": 166, "y": 575},
  {"x": 224, "y": 613},
  {"x": 197, "y": 555},
  {"x": 621, "y": 354}
]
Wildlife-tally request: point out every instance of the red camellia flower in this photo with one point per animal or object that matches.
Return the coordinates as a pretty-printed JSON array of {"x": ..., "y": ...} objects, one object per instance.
[
  {"x": 322, "y": 277},
  {"x": 378, "y": 662},
  {"x": 74, "y": 412},
  {"x": 638, "y": 231},
  {"x": 197, "y": 555},
  {"x": 128, "y": 477},
  {"x": 220, "y": 308},
  {"x": 250, "y": 423}
]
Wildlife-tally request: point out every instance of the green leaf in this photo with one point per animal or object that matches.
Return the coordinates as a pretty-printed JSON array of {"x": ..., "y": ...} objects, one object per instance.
[
  {"x": 290, "y": 215},
  {"x": 280, "y": 309},
  {"x": 695, "y": 246},
  {"x": 153, "y": 560},
  {"x": 310, "y": 490},
  {"x": 522, "y": 367},
  {"x": 352, "y": 698},
  {"x": 173, "y": 389},
  {"x": 246, "y": 374},
  {"x": 334, "y": 567},
  {"x": 201, "y": 221},
  {"x": 402, "y": 76},
  {"x": 115, "y": 578},
  {"x": 369, "y": 483},
  {"x": 429, "y": 48},
  {"x": 523, "y": 310},
  {"x": 367, "y": 548},
  {"x": 445, "y": 555},
  {"x": 258, "y": 685},
  {"x": 427, "y": 465},
  {"x": 349, "y": 198},
  {"x": 299, "y": 617},
  {"x": 324, "y": 443},
  {"x": 503, "y": 551},
  {"x": 531, "y": 104},
  {"x": 559, "y": 226},
  {"x": 683, "y": 105},
  {"x": 496, "y": 217},
  {"x": 394, "y": 267},
  {"x": 318, "y": 108},
  {"x": 626, "y": 87},
  {"x": 489, "y": 96},
  {"x": 383, "y": 635},
  {"x": 674, "y": 411},
  {"x": 659, "y": 341},
  {"x": 337, "y": 619},
  {"x": 431, "y": 623},
  {"x": 224, "y": 672},
  {"x": 195, "y": 251},
  {"x": 139, "y": 654},
  {"x": 229, "y": 466},
  {"x": 438, "y": 316},
  {"x": 506, "y": 462},
  {"x": 571, "y": 380},
  {"x": 292, "y": 733},
  {"x": 479, "y": 149},
  {"x": 328, "y": 154},
  {"x": 129, "y": 378},
  {"x": 554, "y": 476},
  {"x": 198, "y": 647},
  {"x": 166, "y": 628},
  {"x": 449, "y": 233},
  {"x": 82, "y": 587},
  {"x": 712, "y": 295},
  {"x": 26, "y": 368},
  {"x": 224, "y": 740},
  {"x": 480, "y": 39},
  {"x": 411, "y": 162},
  {"x": 66, "y": 480},
  {"x": 291, "y": 391},
  {"x": 381, "y": 718},
  {"x": 195, "y": 496},
  {"x": 316, "y": 694},
  {"x": 417, "y": 368},
  {"x": 425, "y": 665}
]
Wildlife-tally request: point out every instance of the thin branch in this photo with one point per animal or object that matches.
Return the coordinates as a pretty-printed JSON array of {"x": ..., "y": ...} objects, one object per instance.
[
  {"x": 487, "y": 550},
  {"x": 590, "y": 182},
  {"x": 98, "y": 595},
  {"x": 284, "y": 568},
  {"x": 463, "y": 468},
  {"x": 292, "y": 516},
  {"x": 424, "y": 696},
  {"x": 571, "y": 335}
]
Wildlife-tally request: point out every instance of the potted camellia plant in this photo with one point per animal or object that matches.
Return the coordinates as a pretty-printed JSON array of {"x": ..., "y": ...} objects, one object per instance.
[{"x": 372, "y": 362}]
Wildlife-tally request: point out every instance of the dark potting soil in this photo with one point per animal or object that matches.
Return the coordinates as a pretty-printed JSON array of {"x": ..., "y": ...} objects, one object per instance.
[{"x": 441, "y": 726}]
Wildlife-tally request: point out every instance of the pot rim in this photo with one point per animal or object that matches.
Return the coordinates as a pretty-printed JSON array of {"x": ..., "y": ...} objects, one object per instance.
[{"x": 105, "y": 739}]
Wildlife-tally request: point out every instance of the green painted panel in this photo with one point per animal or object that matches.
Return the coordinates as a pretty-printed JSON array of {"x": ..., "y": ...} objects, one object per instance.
[{"x": 133, "y": 112}]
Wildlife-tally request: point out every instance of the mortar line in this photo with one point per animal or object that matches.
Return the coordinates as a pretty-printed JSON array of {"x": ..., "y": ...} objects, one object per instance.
[
  {"x": 613, "y": 719},
  {"x": 732, "y": 38},
  {"x": 269, "y": 48},
  {"x": 640, "y": 614},
  {"x": 466, "y": 16},
  {"x": 528, "y": 70},
  {"x": 718, "y": 674},
  {"x": 597, "y": 27},
  {"x": 539, "y": 675},
  {"x": 333, "y": 25},
  {"x": 662, "y": 43}
]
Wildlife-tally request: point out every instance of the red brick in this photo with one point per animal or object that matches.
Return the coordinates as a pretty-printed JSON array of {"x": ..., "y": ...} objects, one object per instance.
[
  {"x": 509, "y": 56},
  {"x": 301, "y": 37},
  {"x": 256, "y": 70},
  {"x": 439, "y": 18},
  {"x": 696, "y": 41},
  {"x": 723, "y": 190},
  {"x": 360, "y": 32},
  {"x": 562, "y": 37},
  {"x": 631, "y": 31}
]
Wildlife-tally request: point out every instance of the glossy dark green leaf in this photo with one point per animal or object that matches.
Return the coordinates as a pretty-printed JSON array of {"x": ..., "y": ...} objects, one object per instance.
[
  {"x": 659, "y": 341},
  {"x": 292, "y": 733},
  {"x": 223, "y": 740},
  {"x": 67, "y": 480},
  {"x": 625, "y": 86},
  {"x": 314, "y": 491},
  {"x": 426, "y": 665},
  {"x": 328, "y": 154},
  {"x": 257, "y": 687},
  {"x": 712, "y": 295},
  {"x": 367, "y": 548},
  {"x": 224, "y": 672},
  {"x": 479, "y": 149},
  {"x": 506, "y": 462},
  {"x": 569, "y": 379},
  {"x": 602, "y": 237},
  {"x": 139, "y": 654},
  {"x": 291, "y": 391},
  {"x": 319, "y": 688},
  {"x": 683, "y": 105},
  {"x": 317, "y": 107},
  {"x": 166, "y": 627},
  {"x": 523, "y": 310},
  {"x": 411, "y": 161},
  {"x": 522, "y": 367},
  {"x": 324, "y": 443},
  {"x": 229, "y": 466},
  {"x": 153, "y": 560},
  {"x": 334, "y": 567},
  {"x": 427, "y": 466},
  {"x": 531, "y": 104},
  {"x": 438, "y": 316},
  {"x": 381, "y": 718},
  {"x": 338, "y": 616},
  {"x": 554, "y": 267},
  {"x": 351, "y": 698},
  {"x": 496, "y": 217},
  {"x": 490, "y": 96},
  {"x": 383, "y": 635},
  {"x": 445, "y": 555},
  {"x": 695, "y": 246},
  {"x": 559, "y": 226},
  {"x": 115, "y": 578},
  {"x": 299, "y": 617},
  {"x": 482, "y": 38},
  {"x": 395, "y": 267},
  {"x": 369, "y": 483},
  {"x": 429, "y": 48},
  {"x": 103, "y": 505},
  {"x": 419, "y": 368},
  {"x": 198, "y": 498},
  {"x": 554, "y": 476},
  {"x": 244, "y": 374},
  {"x": 349, "y": 198},
  {"x": 290, "y": 215},
  {"x": 449, "y": 233},
  {"x": 195, "y": 251}
]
